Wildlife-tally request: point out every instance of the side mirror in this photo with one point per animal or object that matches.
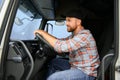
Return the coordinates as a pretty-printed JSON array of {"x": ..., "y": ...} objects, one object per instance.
[{"x": 19, "y": 21}]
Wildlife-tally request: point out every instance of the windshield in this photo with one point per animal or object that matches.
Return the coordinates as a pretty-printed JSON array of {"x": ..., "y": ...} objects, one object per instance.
[
  {"x": 1, "y": 3},
  {"x": 58, "y": 31},
  {"x": 24, "y": 26}
]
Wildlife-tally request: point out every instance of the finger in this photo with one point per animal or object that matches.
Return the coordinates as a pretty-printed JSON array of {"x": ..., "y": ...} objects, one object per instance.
[{"x": 36, "y": 32}]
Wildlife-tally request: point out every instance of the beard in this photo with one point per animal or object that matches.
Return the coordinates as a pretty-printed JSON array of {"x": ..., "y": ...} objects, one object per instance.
[{"x": 69, "y": 29}]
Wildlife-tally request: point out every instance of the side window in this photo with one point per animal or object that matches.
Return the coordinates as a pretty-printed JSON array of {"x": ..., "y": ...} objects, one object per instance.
[
  {"x": 1, "y": 4},
  {"x": 57, "y": 31},
  {"x": 24, "y": 26}
]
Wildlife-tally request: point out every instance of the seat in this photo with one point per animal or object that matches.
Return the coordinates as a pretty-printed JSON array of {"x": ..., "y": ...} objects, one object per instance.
[
  {"x": 106, "y": 50},
  {"x": 105, "y": 63}
]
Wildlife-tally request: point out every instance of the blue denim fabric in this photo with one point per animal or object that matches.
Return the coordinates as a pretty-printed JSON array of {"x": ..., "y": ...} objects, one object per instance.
[
  {"x": 71, "y": 74},
  {"x": 59, "y": 69},
  {"x": 58, "y": 64}
]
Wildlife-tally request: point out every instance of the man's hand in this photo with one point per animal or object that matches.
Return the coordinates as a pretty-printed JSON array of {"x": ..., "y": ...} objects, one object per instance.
[
  {"x": 51, "y": 39},
  {"x": 39, "y": 32}
]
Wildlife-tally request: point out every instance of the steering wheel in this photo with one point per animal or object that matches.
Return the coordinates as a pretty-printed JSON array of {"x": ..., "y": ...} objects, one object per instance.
[
  {"x": 51, "y": 49},
  {"x": 44, "y": 41}
]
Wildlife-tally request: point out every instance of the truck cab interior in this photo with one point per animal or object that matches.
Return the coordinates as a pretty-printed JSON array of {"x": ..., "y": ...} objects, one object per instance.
[{"x": 28, "y": 59}]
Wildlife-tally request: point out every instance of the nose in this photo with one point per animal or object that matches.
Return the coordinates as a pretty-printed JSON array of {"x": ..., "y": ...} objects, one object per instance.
[{"x": 66, "y": 23}]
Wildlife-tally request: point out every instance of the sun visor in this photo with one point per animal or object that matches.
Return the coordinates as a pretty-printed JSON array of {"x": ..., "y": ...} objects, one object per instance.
[
  {"x": 45, "y": 8},
  {"x": 29, "y": 10}
]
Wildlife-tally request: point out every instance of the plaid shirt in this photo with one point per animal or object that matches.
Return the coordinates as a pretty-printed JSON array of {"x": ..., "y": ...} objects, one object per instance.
[{"x": 83, "y": 52}]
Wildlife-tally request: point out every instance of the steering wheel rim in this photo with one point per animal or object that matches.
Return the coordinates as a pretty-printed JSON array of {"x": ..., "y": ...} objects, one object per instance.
[{"x": 44, "y": 41}]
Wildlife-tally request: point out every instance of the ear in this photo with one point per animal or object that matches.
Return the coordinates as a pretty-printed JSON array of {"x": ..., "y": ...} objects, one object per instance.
[{"x": 79, "y": 21}]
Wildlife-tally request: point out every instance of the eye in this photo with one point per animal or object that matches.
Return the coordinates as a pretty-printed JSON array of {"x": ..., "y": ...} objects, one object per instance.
[{"x": 69, "y": 20}]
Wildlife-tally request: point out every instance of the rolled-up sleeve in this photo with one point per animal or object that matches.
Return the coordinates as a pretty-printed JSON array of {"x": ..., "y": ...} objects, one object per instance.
[{"x": 72, "y": 44}]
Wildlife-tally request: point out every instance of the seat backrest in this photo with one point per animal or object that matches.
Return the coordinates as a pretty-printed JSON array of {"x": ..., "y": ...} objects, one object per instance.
[
  {"x": 105, "y": 62},
  {"x": 106, "y": 49}
]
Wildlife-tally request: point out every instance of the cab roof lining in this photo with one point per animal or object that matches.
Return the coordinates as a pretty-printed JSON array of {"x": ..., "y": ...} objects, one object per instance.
[{"x": 52, "y": 9}]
